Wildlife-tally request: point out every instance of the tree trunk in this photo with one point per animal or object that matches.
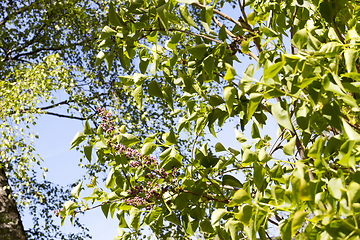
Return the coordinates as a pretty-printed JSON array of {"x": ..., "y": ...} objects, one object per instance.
[{"x": 11, "y": 227}]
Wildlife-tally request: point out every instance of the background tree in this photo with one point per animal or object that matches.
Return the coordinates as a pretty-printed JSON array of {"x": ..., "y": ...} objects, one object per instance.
[
  {"x": 48, "y": 48},
  {"x": 307, "y": 59}
]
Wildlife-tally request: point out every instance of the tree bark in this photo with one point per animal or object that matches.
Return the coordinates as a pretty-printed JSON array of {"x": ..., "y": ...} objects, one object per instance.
[{"x": 11, "y": 226}]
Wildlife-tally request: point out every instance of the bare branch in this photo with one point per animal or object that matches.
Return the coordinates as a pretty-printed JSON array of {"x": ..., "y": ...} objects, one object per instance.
[{"x": 64, "y": 116}]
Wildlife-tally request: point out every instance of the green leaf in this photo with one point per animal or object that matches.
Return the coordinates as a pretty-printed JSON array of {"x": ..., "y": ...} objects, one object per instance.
[
  {"x": 148, "y": 148},
  {"x": 153, "y": 215},
  {"x": 230, "y": 73},
  {"x": 167, "y": 93},
  {"x": 121, "y": 217},
  {"x": 255, "y": 133},
  {"x": 269, "y": 32},
  {"x": 297, "y": 221},
  {"x": 264, "y": 156},
  {"x": 114, "y": 18},
  {"x": 162, "y": 13},
  {"x": 248, "y": 157},
  {"x": 76, "y": 190},
  {"x": 206, "y": 226},
  {"x": 350, "y": 56},
  {"x": 169, "y": 138},
  {"x": 88, "y": 152},
  {"x": 79, "y": 138},
  {"x": 315, "y": 150},
  {"x": 109, "y": 60},
  {"x": 233, "y": 227},
  {"x": 222, "y": 33},
  {"x": 273, "y": 69},
  {"x": 185, "y": 14},
  {"x": 229, "y": 97},
  {"x": 138, "y": 96},
  {"x": 217, "y": 215},
  {"x": 128, "y": 139},
  {"x": 259, "y": 176},
  {"x": 127, "y": 80},
  {"x": 231, "y": 181},
  {"x": 208, "y": 65},
  {"x": 206, "y": 14},
  {"x": 240, "y": 197},
  {"x": 219, "y": 147},
  {"x": 154, "y": 89},
  {"x": 335, "y": 186},
  {"x": 105, "y": 209},
  {"x": 110, "y": 180},
  {"x": 353, "y": 192},
  {"x": 99, "y": 58},
  {"x": 255, "y": 99},
  {"x": 233, "y": 151},
  {"x": 350, "y": 132},
  {"x": 245, "y": 213},
  {"x": 331, "y": 49},
  {"x": 215, "y": 100},
  {"x": 289, "y": 147},
  {"x": 197, "y": 51},
  {"x": 285, "y": 229},
  {"x": 87, "y": 128},
  {"x": 346, "y": 158},
  {"x": 300, "y": 38},
  {"x": 326, "y": 11},
  {"x": 281, "y": 115},
  {"x": 134, "y": 218},
  {"x": 239, "y": 136}
]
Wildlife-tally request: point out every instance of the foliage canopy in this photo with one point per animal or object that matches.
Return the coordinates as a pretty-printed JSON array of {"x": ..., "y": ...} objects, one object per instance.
[{"x": 186, "y": 54}]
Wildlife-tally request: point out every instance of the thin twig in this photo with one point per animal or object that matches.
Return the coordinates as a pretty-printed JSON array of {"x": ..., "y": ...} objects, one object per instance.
[
  {"x": 226, "y": 201},
  {"x": 187, "y": 32},
  {"x": 64, "y": 116},
  {"x": 224, "y": 16},
  {"x": 292, "y": 29}
]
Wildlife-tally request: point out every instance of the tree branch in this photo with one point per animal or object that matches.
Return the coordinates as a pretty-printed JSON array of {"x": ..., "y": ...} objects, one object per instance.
[
  {"x": 292, "y": 29},
  {"x": 251, "y": 54},
  {"x": 64, "y": 116},
  {"x": 225, "y": 16},
  {"x": 338, "y": 31},
  {"x": 244, "y": 26}
]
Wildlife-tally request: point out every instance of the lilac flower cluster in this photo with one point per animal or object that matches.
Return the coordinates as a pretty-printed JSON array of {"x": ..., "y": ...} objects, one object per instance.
[
  {"x": 136, "y": 201},
  {"x": 134, "y": 164},
  {"x": 132, "y": 154},
  {"x": 150, "y": 193},
  {"x": 150, "y": 160},
  {"x": 174, "y": 172},
  {"x": 162, "y": 173},
  {"x": 107, "y": 124},
  {"x": 57, "y": 213}
]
